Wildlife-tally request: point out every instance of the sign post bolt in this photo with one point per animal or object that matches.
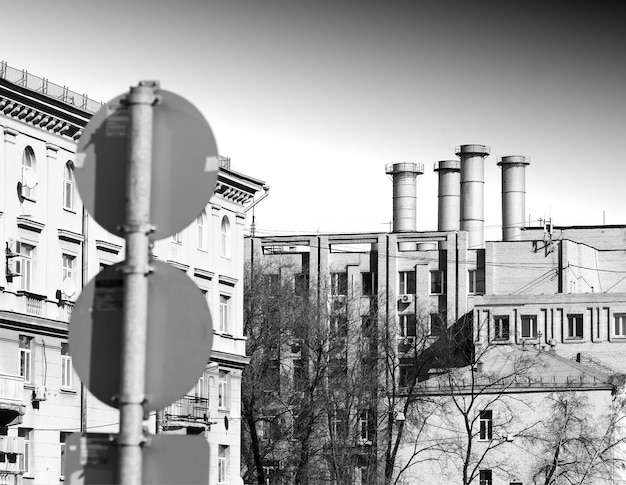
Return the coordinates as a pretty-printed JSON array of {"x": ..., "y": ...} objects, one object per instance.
[{"x": 140, "y": 100}]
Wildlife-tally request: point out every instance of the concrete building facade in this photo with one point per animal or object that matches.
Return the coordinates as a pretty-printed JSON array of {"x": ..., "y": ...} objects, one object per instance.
[
  {"x": 558, "y": 290},
  {"x": 53, "y": 248}
]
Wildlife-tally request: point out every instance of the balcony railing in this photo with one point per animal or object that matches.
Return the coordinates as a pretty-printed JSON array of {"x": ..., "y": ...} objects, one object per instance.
[
  {"x": 22, "y": 77},
  {"x": 11, "y": 389},
  {"x": 189, "y": 408}
]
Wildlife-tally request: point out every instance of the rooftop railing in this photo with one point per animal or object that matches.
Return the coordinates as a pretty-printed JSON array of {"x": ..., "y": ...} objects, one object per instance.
[{"x": 21, "y": 77}]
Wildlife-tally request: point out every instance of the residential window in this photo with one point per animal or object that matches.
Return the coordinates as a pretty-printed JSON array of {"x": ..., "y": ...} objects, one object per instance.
[
  {"x": 408, "y": 325},
  {"x": 620, "y": 324},
  {"x": 529, "y": 326},
  {"x": 339, "y": 284},
  {"x": 406, "y": 283},
  {"x": 501, "y": 327},
  {"x": 25, "y": 463},
  {"x": 271, "y": 282},
  {"x": 338, "y": 423},
  {"x": 437, "y": 324},
  {"x": 369, "y": 284},
  {"x": 177, "y": 238},
  {"x": 201, "y": 229},
  {"x": 222, "y": 388},
  {"x": 225, "y": 237},
  {"x": 63, "y": 456},
  {"x": 436, "y": 282},
  {"x": 485, "y": 477},
  {"x": 222, "y": 464},
  {"x": 66, "y": 367},
  {"x": 364, "y": 424},
  {"x": 26, "y": 364},
  {"x": 224, "y": 313},
  {"x": 24, "y": 265},
  {"x": 485, "y": 424},
  {"x": 68, "y": 187},
  {"x": 575, "y": 326},
  {"x": 28, "y": 173},
  {"x": 338, "y": 326}
]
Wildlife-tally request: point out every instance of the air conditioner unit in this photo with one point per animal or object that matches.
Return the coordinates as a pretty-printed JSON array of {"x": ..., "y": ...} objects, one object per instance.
[
  {"x": 40, "y": 393},
  {"x": 406, "y": 298}
]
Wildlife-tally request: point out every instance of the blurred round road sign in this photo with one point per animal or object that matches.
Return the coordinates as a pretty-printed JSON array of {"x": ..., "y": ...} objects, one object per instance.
[
  {"x": 184, "y": 164},
  {"x": 180, "y": 335}
]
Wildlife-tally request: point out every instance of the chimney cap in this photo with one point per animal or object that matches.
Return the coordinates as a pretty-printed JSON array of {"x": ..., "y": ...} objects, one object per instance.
[
  {"x": 514, "y": 159},
  {"x": 472, "y": 149},
  {"x": 447, "y": 165},
  {"x": 404, "y": 167}
]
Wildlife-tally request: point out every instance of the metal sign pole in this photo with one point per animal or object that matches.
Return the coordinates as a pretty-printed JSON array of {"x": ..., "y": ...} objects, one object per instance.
[{"x": 135, "y": 312}]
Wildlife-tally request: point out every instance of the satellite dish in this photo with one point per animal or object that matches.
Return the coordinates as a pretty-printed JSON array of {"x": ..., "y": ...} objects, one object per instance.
[
  {"x": 30, "y": 178},
  {"x": 68, "y": 286}
]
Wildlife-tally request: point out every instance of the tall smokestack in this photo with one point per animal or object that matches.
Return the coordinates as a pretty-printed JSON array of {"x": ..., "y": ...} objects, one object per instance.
[
  {"x": 404, "y": 194},
  {"x": 513, "y": 196},
  {"x": 473, "y": 192},
  {"x": 449, "y": 195}
]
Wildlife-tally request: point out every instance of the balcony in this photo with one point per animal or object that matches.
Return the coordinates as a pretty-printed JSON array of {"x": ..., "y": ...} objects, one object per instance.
[
  {"x": 188, "y": 412},
  {"x": 12, "y": 405}
]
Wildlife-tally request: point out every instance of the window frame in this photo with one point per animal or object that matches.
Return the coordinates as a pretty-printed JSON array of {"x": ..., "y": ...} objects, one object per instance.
[
  {"x": 25, "y": 264},
  {"x": 437, "y": 279},
  {"x": 339, "y": 284},
  {"x": 485, "y": 477},
  {"x": 498, "y": 333},
  {"x": 437, "y": 325},
  {"x": 485, "y": 425},
  {"x": 619, "y": 319},
  {"x": 533, "y": 326},
  {"x": 223, "y": 389},
  {"x": 407, "y": 322},
  {"x": 223, "y": 459},
  {"x": 177, "y": 237},
  {"x": 29, "y": 162},
  {"x": 225, "y": 312},
  {"x": 364, "y": 425},
  {"x": 68, "y": 187},
  {"x": 26, "y": 358},
  {"x": 575, "y": 323},
  {"x": 407, "y": 283},
  {"x": 201, "y": 224},
  {"x": 67, "y": 370},
  {"x": 25, "y": 461},
  {"x": 225, "y": 231},
  {"x": 369, "y": 283}
]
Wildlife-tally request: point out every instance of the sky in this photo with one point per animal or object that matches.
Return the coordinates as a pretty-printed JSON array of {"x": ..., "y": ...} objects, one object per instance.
[{"x": 314, "y": 98}]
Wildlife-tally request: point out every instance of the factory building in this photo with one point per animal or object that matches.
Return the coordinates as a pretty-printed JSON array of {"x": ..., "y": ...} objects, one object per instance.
[
  {"x": 557, "y": 292},
  {"x": 52, "y": 248}
]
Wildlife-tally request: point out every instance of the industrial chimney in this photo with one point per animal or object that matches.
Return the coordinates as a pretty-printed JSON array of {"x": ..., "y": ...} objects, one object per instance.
[
  {"x": 513, "y": 196},
  {"x": 473, "y": 192},
  {"x": 449, "y": 195},
  {"x": 404, "y": 194}
]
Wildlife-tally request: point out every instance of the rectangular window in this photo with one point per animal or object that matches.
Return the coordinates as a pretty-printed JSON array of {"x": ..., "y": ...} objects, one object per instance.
[
  {"x": 62, "y": 438},
  {"x": 501, "y": 327},
  {"x": 529, "y": 326},
  {"x": 222, "y": 387},
  {"x": 25, "y": 463},
  {"x": 437, "y": 282},
  {"x": 575, "y": 326},
  {"x": 26, "y": 365},
  {"x": 301, "y": 284},
  {"x": 406, "y": 283},
  {"x": 66, "y": 367},
  {"x": 222, "y": 464},
  {"x": 68, "y": 187},
  {"x": 24, "y": 265},
  {"x": 271, "y": 282},
  {"x": 485, "y": 424},
  {"x": 364, "y": 424},
  {"x": 177, "y": 238},
  {"x": 408, "y": 326},
  {"x": 437, "y": 324},
  {"x": 485, "y": 477},
  {"x": 620, "y": 324},
  {"x": 224, "y": 313},
  {"x": 369, "y": 284},
  {"x": 339, "y": 284}
]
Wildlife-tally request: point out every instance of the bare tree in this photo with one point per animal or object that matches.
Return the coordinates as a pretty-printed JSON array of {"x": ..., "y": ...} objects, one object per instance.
[{"x": 577, "y": 447}]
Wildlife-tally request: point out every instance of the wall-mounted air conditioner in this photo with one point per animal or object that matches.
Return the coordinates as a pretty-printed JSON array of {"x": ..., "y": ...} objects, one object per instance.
[{"x": 40, "y": 393}]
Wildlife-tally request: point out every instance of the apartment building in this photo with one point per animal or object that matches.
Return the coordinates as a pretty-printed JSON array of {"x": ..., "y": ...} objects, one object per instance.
[{"x": 53, "y": 248}]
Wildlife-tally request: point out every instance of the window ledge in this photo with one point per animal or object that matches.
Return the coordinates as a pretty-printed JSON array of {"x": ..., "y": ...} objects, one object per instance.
[
  {"x": 30, "y": 294},
  {"x": 67, "y": 390},
  {"x": 73, "y": 211}
]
